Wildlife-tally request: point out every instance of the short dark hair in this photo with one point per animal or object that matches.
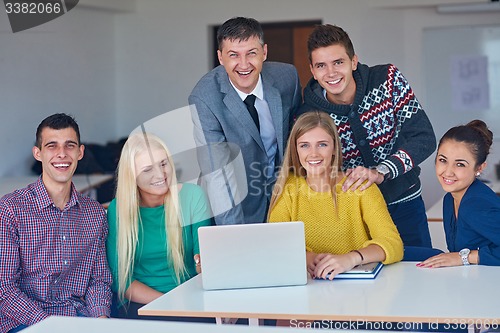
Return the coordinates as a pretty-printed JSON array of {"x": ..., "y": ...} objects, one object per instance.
[
  {"x": 475, "y": 135},
  {"x": 326, "y": 35},
  {"x": 56, "y": 121},
  {"x": 239, "y": 28}
]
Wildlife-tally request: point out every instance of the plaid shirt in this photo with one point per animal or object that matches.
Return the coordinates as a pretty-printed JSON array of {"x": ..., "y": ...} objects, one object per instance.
[{"x": 52, "y": 261}]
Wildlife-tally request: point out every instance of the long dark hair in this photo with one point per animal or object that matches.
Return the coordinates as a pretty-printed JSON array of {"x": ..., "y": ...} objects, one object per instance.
[{"x": 476, "y": 135}]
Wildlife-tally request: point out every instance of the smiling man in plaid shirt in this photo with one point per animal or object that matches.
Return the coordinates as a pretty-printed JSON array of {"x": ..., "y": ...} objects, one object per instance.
[{"x": 52, "y": 239}]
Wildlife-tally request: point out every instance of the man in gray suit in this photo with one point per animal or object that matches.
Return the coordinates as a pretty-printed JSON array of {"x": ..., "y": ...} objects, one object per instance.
[{"x": 243, "y": 108}]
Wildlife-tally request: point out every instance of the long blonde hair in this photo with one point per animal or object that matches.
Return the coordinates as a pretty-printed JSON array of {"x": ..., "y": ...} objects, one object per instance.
[
  {"x": 291, "y": 163},
  {"x": 127, "y": 211}
]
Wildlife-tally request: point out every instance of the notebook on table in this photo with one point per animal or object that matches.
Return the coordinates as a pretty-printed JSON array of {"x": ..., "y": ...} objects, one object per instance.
[
  {"x": 252, "y": 255},
  {"x": 365, "y": 271}
]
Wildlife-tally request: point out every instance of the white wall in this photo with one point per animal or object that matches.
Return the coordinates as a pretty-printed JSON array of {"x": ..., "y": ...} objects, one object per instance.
[
  {"x": 416, "y": 20},
  {"x": 66, "y": 65},
  {"x": 133, "y": 66}
]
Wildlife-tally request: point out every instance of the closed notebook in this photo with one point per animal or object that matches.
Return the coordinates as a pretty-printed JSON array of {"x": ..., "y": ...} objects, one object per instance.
[
  {"x": 252, "y": 255},
  {"x": 365, "y": 271}
]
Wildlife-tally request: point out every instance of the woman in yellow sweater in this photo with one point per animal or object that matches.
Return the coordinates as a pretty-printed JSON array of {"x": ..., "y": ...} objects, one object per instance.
[{"x": 343, "y": 229}]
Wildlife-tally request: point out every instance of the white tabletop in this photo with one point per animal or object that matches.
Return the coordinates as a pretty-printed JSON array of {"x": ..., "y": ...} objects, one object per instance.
[
  {"x": 402, "y": 292},
  {"x": 85, "y": 325},
  {"x": 82, "y": 182}
]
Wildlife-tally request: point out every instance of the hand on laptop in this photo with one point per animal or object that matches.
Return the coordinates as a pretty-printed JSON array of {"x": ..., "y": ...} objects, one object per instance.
[{"x": 197, "y": 261}]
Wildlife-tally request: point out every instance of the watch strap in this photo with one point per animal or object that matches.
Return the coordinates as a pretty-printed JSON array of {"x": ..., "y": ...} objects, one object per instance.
[{"x": 464, "y": 255}]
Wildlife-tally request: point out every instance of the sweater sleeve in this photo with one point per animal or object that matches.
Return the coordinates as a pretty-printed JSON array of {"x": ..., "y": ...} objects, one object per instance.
[
  {"x": 484, "y": 217},
  {"x": 199, "y": 213},
  {"x": 416, "y": 139},
  {"x": 382, "y": 230},
  {"x": 282, "y": 211}
]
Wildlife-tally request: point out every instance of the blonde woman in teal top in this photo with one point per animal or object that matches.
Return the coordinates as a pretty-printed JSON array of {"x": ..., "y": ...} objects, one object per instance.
[{"x": 153, "y": 225}]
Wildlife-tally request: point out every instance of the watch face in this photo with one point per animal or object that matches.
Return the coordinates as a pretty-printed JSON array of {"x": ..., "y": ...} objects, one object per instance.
[
  {"x": 464, "y": 252},
  {"x": 383, "y": 169}
]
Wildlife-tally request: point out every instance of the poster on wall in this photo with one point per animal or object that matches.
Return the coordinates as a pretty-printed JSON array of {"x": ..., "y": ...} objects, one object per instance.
[{"x": 469, "y": 82}]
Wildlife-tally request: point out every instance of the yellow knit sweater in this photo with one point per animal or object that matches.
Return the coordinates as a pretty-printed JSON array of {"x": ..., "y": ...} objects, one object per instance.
[{"x": 361, "y": 218}]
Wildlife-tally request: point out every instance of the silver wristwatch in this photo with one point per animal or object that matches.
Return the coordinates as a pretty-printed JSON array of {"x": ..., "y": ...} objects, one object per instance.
[
  {"x": 383, "y": 170},
  {"x": 464, "y": 254}
]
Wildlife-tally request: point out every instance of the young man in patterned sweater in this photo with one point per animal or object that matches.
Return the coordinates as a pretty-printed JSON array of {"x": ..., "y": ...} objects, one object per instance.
[{"x": 384, "y": 131}]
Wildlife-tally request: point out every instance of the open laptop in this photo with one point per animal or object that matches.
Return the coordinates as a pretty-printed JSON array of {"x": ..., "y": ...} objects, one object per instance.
[{"x": 253, "y": 255}]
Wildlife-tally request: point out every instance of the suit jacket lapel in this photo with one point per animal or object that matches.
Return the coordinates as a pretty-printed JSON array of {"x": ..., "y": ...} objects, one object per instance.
[
  {"x": 273, "y": 98},
  {"x": 236, "y": 106}
]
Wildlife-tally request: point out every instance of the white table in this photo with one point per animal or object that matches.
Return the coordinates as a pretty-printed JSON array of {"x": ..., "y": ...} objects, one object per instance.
[
  {"x": 85, "y": 325},
  {"x": 402, "y": 292},
  {"x": 82, "y": 183}
]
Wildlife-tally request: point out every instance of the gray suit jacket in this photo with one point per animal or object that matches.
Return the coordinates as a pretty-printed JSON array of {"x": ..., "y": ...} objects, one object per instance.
[{"x": 220, "y": 118}]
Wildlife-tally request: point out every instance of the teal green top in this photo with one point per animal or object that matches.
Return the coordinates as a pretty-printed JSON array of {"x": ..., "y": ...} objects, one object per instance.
[{"x": 151, "y": 266}]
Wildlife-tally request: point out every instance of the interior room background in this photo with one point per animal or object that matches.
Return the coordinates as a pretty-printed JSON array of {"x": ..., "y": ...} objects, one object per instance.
[{"x": 115, "y": 64}]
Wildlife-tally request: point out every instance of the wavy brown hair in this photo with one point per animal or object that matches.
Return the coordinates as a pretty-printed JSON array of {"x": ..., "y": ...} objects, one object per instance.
[{"x": 291, "y": 163}]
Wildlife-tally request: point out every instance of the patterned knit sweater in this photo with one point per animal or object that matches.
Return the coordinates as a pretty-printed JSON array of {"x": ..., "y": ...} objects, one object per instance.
[
  {"x": 385, "y": 125},
  {"x": 358, "y": 220}
]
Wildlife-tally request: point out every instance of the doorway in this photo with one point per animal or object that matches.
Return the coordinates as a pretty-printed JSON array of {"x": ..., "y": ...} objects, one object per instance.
[{"x": 286, "y": 42}]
